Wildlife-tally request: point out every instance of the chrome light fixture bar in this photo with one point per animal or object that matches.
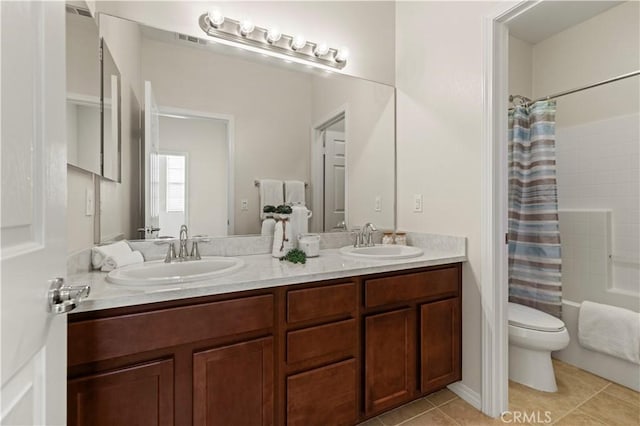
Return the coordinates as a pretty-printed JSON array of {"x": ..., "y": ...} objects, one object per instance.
[{"x": 272, "y": 42}]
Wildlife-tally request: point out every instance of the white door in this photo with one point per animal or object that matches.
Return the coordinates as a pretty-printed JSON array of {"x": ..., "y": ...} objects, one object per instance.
[
  {"x": 334, "y": 178},
  {"x": 152, "y": 163},
  {"x": 33, "y": 205}
]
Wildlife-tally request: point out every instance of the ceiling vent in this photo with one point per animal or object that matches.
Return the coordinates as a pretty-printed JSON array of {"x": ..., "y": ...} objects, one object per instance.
[
  {"x": 191, "y": 39},
  {"x": 78, "y": 11}
]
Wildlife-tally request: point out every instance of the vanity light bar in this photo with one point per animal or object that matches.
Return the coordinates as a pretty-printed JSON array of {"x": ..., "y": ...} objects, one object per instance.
[{"x": 270, "y": 41}]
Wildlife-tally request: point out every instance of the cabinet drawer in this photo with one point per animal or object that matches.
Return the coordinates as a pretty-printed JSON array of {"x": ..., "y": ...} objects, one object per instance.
[
  {"x": 323, "y": 341},
  {"x": 419, "y": 285},
  {"x": 106, "y": 338},
  {"x": 320, "y": 302},
  {"x": 324, "y": 396}
]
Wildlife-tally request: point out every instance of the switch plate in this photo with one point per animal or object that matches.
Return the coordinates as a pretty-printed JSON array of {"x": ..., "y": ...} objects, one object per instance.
[
  {"x": 417, "y": 203},
  {"x": 89, "y": 202},
  {"x": 244, "y": 205},
  {"x": 378, "y": 203}
]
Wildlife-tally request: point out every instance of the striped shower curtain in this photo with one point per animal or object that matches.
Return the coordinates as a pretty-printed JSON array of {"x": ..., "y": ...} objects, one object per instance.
[{"x": 534, "y": 236}]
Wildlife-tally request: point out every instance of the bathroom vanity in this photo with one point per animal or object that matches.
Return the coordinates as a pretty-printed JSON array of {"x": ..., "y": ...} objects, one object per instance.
[{"x": 329, "y": 352}]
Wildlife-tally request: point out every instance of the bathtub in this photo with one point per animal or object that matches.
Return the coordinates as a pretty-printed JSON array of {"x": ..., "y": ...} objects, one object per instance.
[{"x": 611, "y": 368}]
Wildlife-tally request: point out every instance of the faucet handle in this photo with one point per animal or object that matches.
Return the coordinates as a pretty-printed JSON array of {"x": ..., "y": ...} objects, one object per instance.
[
  {"x": 357, "y": 233},
  {"x": 171, "y": 253},
  {"x": 195, "y": 253}
]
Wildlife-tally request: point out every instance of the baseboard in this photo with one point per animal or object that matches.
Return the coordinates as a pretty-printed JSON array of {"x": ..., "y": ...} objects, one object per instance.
[{"x": 466, "y": 393}]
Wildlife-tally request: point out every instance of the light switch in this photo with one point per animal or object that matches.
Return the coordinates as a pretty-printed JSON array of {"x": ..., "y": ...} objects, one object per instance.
[
  {"x": 378, "y": 203},
  {"x": 417, "y": 203},
  {"x": 89, "y": 202},
  {"x": 244, "y": 205}
]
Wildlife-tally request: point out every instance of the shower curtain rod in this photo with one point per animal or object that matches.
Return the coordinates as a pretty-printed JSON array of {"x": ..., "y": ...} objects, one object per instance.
[{"x": 580, "y": 89}]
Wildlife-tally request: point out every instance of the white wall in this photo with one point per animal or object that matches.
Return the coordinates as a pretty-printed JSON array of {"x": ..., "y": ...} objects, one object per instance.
[
  {"x": 602, "y": 47},
  {"x": 83, "y": 76},
  {"x": 205, "y": 141},
  {"x": 271, "y": 109},
  {"x": 439, "y": 117},
  {"x": 598, "y": 130},
  {"x": 520, "y": 67},
  {"x": 366, "y": 28},
  {"x": 370, "y": 149}
]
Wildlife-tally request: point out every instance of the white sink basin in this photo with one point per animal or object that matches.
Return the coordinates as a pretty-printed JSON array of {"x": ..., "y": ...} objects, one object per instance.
[
  {"x": 160, "y": 273},
  {"x": 382, "y": 252}
]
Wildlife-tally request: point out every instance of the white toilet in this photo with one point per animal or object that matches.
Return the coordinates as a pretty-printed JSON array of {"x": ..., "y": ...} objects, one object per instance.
[{"x": 533, "y": 334}]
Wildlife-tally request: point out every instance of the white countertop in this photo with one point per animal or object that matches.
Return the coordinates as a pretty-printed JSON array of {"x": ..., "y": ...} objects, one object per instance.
[{"x": 260, "y": 271}]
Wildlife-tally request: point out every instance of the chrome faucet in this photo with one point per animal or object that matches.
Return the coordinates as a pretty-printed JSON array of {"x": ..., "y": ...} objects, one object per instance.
[
  {"x": 184, "y": 237},
  {"x": 364, "y": 236},
  {"x": 183, "y": 254},
  {"x": 367, "y": 234}
]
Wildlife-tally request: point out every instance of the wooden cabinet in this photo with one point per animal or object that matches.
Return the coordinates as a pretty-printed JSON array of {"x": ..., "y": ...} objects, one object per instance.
[
  {"x": 325, "y": 353},
  {"x": 233, "y": 385},
  {"x": 323, "y": 396},
  {"x": 440, "y": 345},
  {"x": 138, "y": 395},
  {"x": 412, "y": 348},
  {"x": 390, "y": 366}
]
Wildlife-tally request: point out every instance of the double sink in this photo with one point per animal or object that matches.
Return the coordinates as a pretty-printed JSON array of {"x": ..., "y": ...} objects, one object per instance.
[{"x": 160, "y": 273}]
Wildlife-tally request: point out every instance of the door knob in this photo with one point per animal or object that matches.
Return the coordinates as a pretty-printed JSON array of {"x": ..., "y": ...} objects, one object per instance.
[{"x": 64, "y": 298}]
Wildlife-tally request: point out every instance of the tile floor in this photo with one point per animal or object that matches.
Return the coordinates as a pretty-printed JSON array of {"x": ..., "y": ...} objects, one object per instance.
[{"x": 582, "y": 399}]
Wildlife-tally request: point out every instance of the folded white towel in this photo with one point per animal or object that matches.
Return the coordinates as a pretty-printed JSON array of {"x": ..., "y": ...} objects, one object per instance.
[
  {"x": 271, "y": 194},
  {"x": 100, "y": 253},
  {"x": 610, "y": 330},
  {"x": 120, "y": 260},
  {"x": 294, "y": 192}
]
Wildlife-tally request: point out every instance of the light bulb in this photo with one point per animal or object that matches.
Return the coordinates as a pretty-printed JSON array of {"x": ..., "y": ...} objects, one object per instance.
[
  {"x": 342, "y": 55},
  {"x": 216, "y": 18},
  {"x": 299, "y": 42},
  {"x": 247, "y": 27},
  {"x": 321, "y": 49},
  {"x": 273, "y": 35}
]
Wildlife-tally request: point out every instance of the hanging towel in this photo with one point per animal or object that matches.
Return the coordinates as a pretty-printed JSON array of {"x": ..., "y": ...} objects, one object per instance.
[
  {"x": 100, "y": 253},
  {"x": 610, "y": 330},
  {"x": 121, "y": 259},
  {"x": 270, "y": 194},
  {"x": 294, "y": 192}
]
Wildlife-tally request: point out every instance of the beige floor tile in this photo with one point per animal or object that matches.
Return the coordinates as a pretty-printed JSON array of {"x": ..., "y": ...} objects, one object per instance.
[
  {"x": 535, "y": 403},
  {"x": 372, "y": 422},
  {"x": 623, "y": 393},
  {"x": 574, "y": 376},
  {"x": 405, "y": 412},
  {"x": 465, "y": 414},
  {"x": 441, "y": 397},
  {"x": 578, "y": 418},
  {"x": 431, "y": 418},
  {"x": 612, "y": 410}
]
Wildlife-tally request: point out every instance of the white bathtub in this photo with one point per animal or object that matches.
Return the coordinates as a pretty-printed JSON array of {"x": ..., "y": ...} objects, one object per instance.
[{"x": 611, "y": 368}]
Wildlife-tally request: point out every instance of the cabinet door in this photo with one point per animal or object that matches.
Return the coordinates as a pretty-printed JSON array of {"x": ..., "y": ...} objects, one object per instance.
[
  {"x": 440, "y": 343},
  {"x": 138, "y": 395},
  {"x": 390, "y": 364},
  {"x": 324, "y": 396},
  {"x": 233, "y": 385}
]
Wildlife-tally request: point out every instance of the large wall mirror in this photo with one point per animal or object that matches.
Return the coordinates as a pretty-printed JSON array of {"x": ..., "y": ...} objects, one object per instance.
[
  {"x": 93, "y": 137},
  {"x": 219, "y": 120}
]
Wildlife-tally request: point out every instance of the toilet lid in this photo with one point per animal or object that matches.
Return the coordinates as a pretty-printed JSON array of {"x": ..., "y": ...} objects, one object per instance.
[{"x": 526, "y": 317}]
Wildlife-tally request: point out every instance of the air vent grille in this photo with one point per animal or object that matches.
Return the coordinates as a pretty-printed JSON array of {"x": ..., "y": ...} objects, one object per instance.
[
  {"x": 78, "y": 11},
  {"x": 191, "y": 39}
]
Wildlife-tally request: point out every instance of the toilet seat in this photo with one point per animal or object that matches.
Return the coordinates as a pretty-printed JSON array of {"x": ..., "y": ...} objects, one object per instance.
[{"x": 533, "y": 319}]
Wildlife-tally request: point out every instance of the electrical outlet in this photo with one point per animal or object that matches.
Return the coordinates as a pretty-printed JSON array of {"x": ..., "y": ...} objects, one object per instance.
[
  {"x": 378, "y": 204},
  {"x": 89, "y": 202},
  {"x": 244, "y": 205},
  {"x": 417, "y": 203}
]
